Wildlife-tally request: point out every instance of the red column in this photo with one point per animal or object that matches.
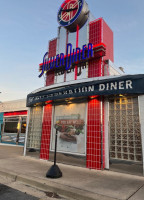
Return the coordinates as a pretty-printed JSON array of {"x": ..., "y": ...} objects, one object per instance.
[
  {"x": 46, "y": 132},
  {"x": 94, "y": 155},
  {"x": 99, "y": 32},
  {"x": 94, "y": 134},
  {"x": 77, "y": 43}
]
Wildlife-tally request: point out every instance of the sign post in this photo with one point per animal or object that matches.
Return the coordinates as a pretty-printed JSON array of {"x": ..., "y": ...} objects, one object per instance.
[{"x": 54, "y": 171}]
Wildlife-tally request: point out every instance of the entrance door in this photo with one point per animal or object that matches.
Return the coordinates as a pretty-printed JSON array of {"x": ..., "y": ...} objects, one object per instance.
[{"x": 124, "y": 129}]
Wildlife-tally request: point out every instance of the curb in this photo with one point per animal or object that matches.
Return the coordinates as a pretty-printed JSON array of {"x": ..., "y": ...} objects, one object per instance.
[
  {"x": 12, "y": 176},
  {"x": 64, "y": 190}
]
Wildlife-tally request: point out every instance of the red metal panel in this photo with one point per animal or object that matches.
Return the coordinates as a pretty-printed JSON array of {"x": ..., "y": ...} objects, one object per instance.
[
  {"x": 52, "y": 52},
  {"x": 46, "y": 132},
  {"x": 100, "y": 32},
  {"x": 95, "y": 33},
  {"x": 94, "y": 105},
  {"x": 94, "y": 68},
  {"x": 50, "y": 78},
  {"x": 77, "y": 44},
  {"x": 94, "y": 134},
  {"x": 24, "y": 112},
  {"x": 52, "y": 47}
]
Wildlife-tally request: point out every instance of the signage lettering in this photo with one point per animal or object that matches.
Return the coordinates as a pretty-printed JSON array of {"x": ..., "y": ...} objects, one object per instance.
[
  {"x": 99, "y": 89},
  {"x": 121, "y": 85},
  {"x": 72, "y": 56},
  {"x": 130, "y": 84}
]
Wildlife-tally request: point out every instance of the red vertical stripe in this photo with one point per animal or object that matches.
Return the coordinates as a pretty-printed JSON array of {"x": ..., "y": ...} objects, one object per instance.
[
  {"x": 67, "y": 34},
  {"x": 94, "y": 134},
  {"x": 52, "y": 52},
  {"x": 77, "y": 43},
  {"x": 46, "y": 132}
]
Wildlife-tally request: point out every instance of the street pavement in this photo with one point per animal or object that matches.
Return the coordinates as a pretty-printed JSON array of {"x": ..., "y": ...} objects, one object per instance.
[
  {"x": 15, "y": 190},
  {"x": 7, "y": 193},
  {"x": 76, "y": 183}
]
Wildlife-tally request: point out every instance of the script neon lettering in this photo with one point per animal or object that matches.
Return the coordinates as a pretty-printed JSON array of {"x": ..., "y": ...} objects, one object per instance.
[
  {"x": 72, "y": 56},
  {"x": 83, "y": 52},
  {"x": 90, "y": 50},
  {"x": 68, "y": 58},
  {"x": 61, "y": 59},
  {"x": 57, "y": 58},
  {"x": 78, "y": 56},
  {"x": 44, "y": 63}
]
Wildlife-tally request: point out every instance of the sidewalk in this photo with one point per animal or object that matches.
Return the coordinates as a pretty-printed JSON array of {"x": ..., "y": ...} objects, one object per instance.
[{"x": 76, "y": 183}]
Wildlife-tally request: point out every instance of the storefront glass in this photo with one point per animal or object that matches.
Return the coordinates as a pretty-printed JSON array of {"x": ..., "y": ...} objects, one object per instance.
[
  {"x": 14, "y": 129},
  {"x": 9, "y": 133},
  {"x": 23, "y": 130},
  {"x": 70, "y": 120}
]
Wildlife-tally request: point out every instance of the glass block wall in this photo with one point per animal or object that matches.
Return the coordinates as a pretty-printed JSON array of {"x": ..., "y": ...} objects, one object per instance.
[
  {"x": 35, "y": 128},
  {"x": 124, "y": 128}
]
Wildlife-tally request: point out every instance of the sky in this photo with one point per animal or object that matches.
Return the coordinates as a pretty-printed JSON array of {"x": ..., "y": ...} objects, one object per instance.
[{"x": 26, "y": 26}]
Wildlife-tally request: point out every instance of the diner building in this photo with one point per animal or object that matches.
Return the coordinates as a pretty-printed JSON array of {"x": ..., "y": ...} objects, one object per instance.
[{"x": 97, "y": 109}]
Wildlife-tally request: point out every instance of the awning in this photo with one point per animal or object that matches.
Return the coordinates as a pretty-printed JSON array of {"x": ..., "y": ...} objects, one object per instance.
[{"x": 127, "y": 84}]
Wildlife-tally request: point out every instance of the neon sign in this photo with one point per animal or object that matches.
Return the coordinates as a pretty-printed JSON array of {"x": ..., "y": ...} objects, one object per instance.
[{"x": 73, "y": 56}]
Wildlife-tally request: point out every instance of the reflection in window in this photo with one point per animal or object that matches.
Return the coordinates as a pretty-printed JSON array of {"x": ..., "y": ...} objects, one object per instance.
[
  {"x": 11, "y": 124},
  {"x": 23, "y": 125},
  {"x": 14, "y": 130}
]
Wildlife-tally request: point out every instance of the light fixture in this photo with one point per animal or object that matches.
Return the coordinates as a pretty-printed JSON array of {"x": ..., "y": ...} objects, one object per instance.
[{"x": 121, "y": 95}]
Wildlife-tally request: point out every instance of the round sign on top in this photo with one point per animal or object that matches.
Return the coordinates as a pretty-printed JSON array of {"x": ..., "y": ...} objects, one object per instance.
[{"x": 73, "y": 13}]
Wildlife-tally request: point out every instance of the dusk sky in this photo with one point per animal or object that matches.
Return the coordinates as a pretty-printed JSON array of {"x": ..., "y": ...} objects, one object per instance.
[{"x": 27, "y": 26}]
